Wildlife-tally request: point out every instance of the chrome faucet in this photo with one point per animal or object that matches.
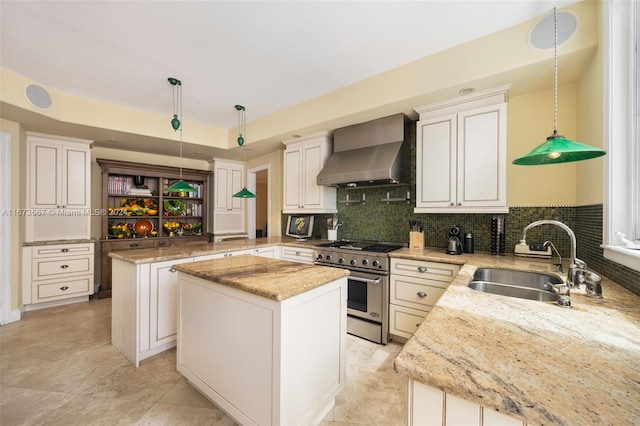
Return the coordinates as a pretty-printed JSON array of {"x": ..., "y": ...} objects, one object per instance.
[
  {"x": 577, "y": 267},
  {"x": 559, "y": 264}
]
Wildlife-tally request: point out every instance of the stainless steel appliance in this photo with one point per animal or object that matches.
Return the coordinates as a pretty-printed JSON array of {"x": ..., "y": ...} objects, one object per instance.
[
  {"x": 368, "y": 288},
  {"x": 454, "y": 245}
]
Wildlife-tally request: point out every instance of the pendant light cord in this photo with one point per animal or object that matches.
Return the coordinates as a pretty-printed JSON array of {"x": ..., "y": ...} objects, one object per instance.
[{"x": 555, "y": 73}]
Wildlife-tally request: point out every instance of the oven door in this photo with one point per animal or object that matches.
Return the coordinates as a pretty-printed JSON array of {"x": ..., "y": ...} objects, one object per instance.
[{"x": 365, "y": 296}]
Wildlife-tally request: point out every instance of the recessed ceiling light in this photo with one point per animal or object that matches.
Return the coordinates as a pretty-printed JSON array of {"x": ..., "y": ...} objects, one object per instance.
[
  {"x": 112, "y": 141},
  {"x": 466, "y": 90},
  {"x": 199, "y": 152},
  {"x": 295, "y": 136}
]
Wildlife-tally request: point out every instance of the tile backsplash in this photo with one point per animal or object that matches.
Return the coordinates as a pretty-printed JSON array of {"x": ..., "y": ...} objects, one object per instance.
[{"x": 382, "y": 221}]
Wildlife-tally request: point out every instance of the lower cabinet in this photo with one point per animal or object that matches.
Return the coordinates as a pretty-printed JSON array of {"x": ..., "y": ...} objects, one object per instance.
[
  {"x": 415, "y": 286},
  {"x": 56, "y": 274},
  {"x": 262, "y": 361},
  {"x": 430, "y": 406},
  {"x": 145, "y": 300},
  {"x": 297, "y": 254}
]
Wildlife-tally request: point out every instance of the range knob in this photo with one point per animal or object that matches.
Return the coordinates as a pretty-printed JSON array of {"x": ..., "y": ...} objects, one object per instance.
[
  {"x": 352, "y": 262},
  {"x": 329, "y": 257},
  {"x": 376, "y": 263},
  {"x": 341, "y": 260},
  {"x": 319, "y": 256},
  {"x": 365, "y": 262}
]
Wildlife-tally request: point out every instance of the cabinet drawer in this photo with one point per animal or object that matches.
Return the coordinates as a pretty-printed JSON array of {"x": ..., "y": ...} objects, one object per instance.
[
  {"x": 297, "y": 254},
  {"x": 420, "y": 269},
  {"x": 64, "y": 289},
  {"x": 403, "y": 321},
  {"x": 60, "y": 250},
  {"x": 53, "y": 268},
  {"x": 135, "y": 243},
  {"x": 415, "y": 292}
]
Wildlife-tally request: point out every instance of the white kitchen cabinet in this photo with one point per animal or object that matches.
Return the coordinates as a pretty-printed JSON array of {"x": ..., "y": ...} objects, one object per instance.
[
  {"x": 161, "y": 306},
  {"x": 143, "y": 308},
  {"x": 461, "y": 155},
  {"x": 58, "y": 188},
  {"x": 56, "y": 274},
  {"x": 272, "y": 252},
  {"x": 228, "y": 212},
  {"x": 262, "y": 361},
  {"x": 414, "y": 288},
  {"x": 430, "y": 406},
  {"x": 297, "y": 254},
  {"x": 304, "y": 158}
]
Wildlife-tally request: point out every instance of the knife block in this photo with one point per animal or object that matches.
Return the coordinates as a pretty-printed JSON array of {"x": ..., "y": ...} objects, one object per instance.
[{"x": 416, "y": 240}]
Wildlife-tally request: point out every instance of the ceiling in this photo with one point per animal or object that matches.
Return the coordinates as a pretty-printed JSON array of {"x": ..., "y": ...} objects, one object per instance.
[{"x": 265, "y": 55}]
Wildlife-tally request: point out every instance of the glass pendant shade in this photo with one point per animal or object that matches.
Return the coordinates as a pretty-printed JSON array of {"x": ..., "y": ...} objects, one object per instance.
[
  {"x": 244, "y": 193},
  {"x": 557, "y": 148},
  {"x": 180, "y": 186}
]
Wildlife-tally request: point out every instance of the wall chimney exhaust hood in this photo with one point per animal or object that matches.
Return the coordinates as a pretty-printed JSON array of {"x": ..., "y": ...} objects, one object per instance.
[{"x": 368, "y": 154}]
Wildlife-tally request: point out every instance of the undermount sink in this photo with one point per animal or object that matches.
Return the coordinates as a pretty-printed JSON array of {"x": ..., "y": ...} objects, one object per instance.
[{"x": 513, "y": 283}]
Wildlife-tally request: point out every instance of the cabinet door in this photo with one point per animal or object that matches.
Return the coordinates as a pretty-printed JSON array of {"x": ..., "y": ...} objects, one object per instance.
[
  {"x": 76, "y": 178},
  {"x": 313, "y": 160},
  {"x": 163, "y": 302},
  {"x": 436, "y": 162},
  {"x": 222, "y": 180},
  {"x": 292, "y": 173},
  {"x": 236, "y": 185},
  {"x": 272, "y": 252},
  {"x": 482, "y": 157},
  {"x": 45, "y": 185}
]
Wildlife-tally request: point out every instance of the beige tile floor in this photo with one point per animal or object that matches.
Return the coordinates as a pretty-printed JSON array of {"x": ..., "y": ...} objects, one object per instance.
[{"x": 57, "y": 367}]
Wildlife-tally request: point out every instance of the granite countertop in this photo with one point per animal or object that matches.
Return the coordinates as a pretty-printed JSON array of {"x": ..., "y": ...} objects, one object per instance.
[
  {"x": 270, "y": 278},
  {"x": 201, "y": 248},
  {"x": 56, "y": 242},
  {"x": 531, "y": 360}
]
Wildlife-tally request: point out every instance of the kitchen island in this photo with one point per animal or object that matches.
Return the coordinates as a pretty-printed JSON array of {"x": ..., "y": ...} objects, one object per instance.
[
  {"x": 264, "y": 339},
  {"x": 485, "y": 359}
]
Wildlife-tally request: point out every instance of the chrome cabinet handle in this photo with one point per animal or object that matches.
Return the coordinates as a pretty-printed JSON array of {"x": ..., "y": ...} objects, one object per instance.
[
  {"x": 134, "y": 245},
  {"x": 172, "y": 270},
  {"x": 451, "y": 204},
  {"x": 298, "y": 253},
  {"x": 422, "y": 294},
  {"x": 422, "y": 269},
  {"x": 64, "y": 266},
  {"x": 64, "y": 288},
  {"x": 459, "y": 203},
  {"x": 65, "y": 250}
]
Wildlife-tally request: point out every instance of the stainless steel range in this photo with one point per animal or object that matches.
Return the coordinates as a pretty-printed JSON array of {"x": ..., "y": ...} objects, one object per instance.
[{"x": 368, "y": 289}]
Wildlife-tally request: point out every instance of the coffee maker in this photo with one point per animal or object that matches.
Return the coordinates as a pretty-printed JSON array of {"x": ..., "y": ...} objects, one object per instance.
[{"x": 454, "y": 245}]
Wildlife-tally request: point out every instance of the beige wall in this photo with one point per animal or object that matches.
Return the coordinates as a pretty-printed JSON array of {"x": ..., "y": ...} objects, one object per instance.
[
  {"x": 590, "y": 109},
  {"x": 530, "y": 122},
  {"x": 18, "y": 200}
]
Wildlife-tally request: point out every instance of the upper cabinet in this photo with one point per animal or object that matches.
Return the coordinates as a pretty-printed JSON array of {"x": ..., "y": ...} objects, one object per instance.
[
  {"x": 304, "y": 158},
  {"x": 461, "y": 150},
  {"x": 59, "y": 172},
  {"x": 58, "y": 188},
  {"x": 228, "y": 212}
]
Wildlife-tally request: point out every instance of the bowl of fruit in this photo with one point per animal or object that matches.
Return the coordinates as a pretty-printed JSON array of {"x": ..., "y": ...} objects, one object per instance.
[
  {"x": 121, "y": 230},
  {"x": 192, "y": 228},
  {"x": 172, "y": 227}
]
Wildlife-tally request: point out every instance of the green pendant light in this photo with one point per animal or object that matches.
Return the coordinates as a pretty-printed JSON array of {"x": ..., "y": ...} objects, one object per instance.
[
  {"x": 242, "y": 127},
  {"x": 557, "y": 148},
  {"x": 179, "y": 185}
]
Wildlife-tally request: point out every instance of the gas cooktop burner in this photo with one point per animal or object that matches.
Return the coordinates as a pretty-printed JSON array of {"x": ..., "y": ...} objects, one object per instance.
[{"x": 368, "y": 246}]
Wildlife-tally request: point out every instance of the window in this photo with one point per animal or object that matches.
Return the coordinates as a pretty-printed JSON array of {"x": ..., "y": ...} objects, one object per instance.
[{"x": 621, "y": 23}]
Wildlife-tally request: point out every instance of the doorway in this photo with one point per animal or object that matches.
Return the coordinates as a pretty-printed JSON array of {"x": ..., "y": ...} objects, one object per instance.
[{"x": 258, "y": 218}]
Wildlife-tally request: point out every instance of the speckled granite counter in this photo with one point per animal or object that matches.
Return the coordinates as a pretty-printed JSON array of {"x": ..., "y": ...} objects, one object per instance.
[
  {"x": 200, "y": 248},
  {"x": 531, "y": 360},
  {"x": 270, "y": 278}
]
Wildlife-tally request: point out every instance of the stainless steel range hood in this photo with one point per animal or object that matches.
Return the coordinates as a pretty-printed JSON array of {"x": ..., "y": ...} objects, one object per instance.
[{"x": 368, "y": 154}]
